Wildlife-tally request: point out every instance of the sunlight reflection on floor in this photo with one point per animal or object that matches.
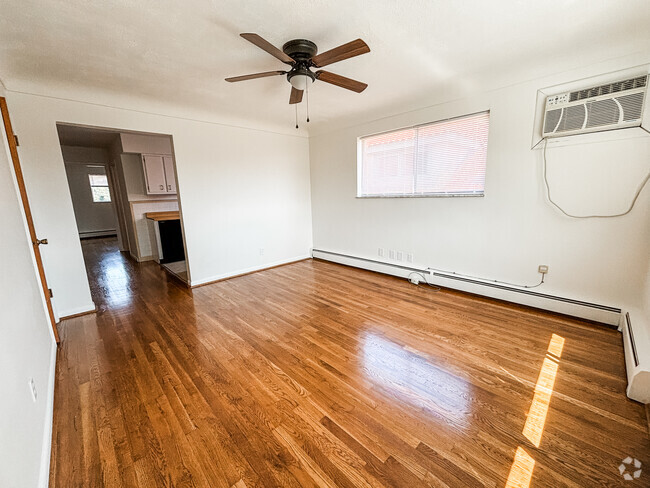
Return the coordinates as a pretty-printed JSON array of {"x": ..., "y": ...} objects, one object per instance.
[
  {"x": 114, "y": 281},
  {"x": 543, "y": 391},
  {"x": 414, "y": 379},
  {"x": 521, "y": 471}
]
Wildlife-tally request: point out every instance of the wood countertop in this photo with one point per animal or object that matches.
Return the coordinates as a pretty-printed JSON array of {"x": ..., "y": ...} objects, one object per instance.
[{"x": 171, "y": 215}]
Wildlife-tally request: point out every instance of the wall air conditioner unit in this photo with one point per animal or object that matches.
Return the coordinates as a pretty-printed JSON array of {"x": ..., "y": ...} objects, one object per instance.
[{"x": 598, "y": 108}]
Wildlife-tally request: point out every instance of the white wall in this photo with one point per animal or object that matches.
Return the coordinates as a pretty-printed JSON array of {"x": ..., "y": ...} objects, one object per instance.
[
  {"x": 27, "y": 349},
  {"x": 81, "y": 154},
  {"x": 92, "y": 217},
  {"x": 146, "y": 143},
  {"x": 134, "y": 177},
  {"x": 512, "y": 230},
  {"x": 240, "y": 190},
  {"x": 645, "y": 305}
]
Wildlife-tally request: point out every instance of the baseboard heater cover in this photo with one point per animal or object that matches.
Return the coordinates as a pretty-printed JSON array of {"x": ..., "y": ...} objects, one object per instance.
[
  {"x": 635, "y": 326},
  {"x": 630, "y": 334},
  {"x": 97, "y": 233},
  {"x": 593, "y": 311}
]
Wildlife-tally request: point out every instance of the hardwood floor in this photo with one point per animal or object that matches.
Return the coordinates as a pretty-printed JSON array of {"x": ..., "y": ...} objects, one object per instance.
[{"x": 315, "y": 374}]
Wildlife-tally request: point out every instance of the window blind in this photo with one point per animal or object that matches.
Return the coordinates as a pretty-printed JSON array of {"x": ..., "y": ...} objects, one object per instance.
[
  {"x": 441, "y": 158},
  {"x": 98, "y": 180}
]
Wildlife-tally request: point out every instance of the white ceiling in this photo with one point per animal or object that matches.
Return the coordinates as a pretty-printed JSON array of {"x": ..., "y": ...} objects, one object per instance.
[{"x": 177, "y": 53}]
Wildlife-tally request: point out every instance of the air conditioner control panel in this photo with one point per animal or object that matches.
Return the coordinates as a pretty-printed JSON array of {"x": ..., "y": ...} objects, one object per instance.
[{"x": 560, "y": 99}]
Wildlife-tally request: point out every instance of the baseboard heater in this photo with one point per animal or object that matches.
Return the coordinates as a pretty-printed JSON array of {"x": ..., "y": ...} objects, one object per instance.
[
  {"x": 630, "y": 333},
  {"x": 97, "y": 233},
  {"x": 636, "y": 344},
  {"x": 593, "y": 311}
]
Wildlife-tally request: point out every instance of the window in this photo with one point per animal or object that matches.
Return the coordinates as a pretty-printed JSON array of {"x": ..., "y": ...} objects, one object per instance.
[
  {"x": 445, "y": 158},
  {"x": 99, "y": 188}
]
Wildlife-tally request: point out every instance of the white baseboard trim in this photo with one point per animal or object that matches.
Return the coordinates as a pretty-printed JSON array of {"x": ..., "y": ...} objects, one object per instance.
[
  {"x": 46, "y": 452},
  {"x": 98, "y": 233},
  {"x": 89, "y": 307},
  {"x": 232, "y": 274},
  {"x": 568, "y": 306},
  {"x": 143, "y": 258}
]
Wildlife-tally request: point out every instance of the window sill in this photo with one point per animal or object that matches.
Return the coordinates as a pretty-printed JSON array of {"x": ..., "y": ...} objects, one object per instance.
[{"x": 431, "y": 195}]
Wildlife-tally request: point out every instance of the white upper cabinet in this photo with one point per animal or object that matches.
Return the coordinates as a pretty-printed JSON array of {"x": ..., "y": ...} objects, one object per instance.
[
  {"x": 168, "y": 163},
  {"x": 159, "y": 174}
]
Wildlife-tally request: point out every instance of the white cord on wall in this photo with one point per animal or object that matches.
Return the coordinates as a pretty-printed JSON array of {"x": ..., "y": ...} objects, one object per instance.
[{"x": 548, "y": 195}]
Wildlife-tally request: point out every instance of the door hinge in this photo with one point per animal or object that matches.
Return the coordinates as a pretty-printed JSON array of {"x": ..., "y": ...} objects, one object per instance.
[
  {"x": 51, "y": 292},
  {"x": 16, "y": 140}
]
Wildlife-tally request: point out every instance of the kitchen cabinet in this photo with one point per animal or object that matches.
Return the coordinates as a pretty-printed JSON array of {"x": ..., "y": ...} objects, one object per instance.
[
  {"x": 159, "y": 174},
  {"x": 168, "y": 164}
]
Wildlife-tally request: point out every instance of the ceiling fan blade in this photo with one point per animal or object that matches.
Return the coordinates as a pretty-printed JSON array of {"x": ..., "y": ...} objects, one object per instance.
[
  {"x": 341, "y": 81},
  {"x": 255, "y": 75},
  {"x": 295, "y": 97},
  {"x": 345, "y": 51},
  {"x": 267, "y": 46}
]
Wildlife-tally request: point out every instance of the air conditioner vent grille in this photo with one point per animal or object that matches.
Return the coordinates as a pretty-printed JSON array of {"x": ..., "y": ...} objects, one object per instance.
[
  {"x": 602, "y": 112},
  {"x": 551, "y": 120},
  {"x": 618, "y": 86},
  {"x": 573, "y": 119},
  {"x": 632, "y": 105}
]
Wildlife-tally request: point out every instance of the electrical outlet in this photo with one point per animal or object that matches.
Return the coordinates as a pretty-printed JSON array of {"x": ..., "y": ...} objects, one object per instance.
[
  {"x": 261, "y": 251},
  {"x": 399, "y": 255},
  {"x": 409, "y": 257},
  {"x": 391, "y": 254},
  {"x": 380, "y": 252},
  {"x": 542, "y": 268},
  {"x": 32, "y": 389}
]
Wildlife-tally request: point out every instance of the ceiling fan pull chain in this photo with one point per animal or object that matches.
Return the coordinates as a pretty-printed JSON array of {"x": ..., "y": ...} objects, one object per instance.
[
  {"x": 307, "y": 88},
  {"x": 296, "y": 105}
]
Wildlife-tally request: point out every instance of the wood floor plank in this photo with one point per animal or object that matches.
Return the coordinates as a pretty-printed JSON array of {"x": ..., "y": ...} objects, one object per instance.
[{"x": 316, "y": 374}]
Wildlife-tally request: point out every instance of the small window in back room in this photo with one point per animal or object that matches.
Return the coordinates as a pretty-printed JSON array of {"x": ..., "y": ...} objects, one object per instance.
[
  {"x": 445, "y": 158},
  {"x": 99, "y": 188}
]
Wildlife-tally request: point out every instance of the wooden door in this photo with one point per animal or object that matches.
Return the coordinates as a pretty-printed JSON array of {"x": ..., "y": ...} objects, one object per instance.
[
  {"x": 154, "y": 174},
  {"x": 170, "y": 176},
  {"x": 11, "y": 139}
]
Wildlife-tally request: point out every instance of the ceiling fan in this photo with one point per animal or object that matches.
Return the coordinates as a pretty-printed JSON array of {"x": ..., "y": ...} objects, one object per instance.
[{"x": 301, "y": 55}]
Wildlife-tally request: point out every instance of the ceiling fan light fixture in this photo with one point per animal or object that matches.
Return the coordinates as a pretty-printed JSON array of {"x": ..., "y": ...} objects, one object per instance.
[{"x": 299, "y": 81}]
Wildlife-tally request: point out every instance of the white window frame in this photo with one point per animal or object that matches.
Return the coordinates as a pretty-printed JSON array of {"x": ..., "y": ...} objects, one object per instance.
[
  {"x": 414, "y": 195},
  {"x": 107, "y": 186}
]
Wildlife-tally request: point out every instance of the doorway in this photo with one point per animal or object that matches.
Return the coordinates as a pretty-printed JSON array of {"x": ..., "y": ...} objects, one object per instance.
[{"x": 126, "y": 204}]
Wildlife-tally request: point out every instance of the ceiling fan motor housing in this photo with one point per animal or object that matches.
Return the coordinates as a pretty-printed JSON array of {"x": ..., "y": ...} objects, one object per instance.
[{"x": 301, "y": 50}]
